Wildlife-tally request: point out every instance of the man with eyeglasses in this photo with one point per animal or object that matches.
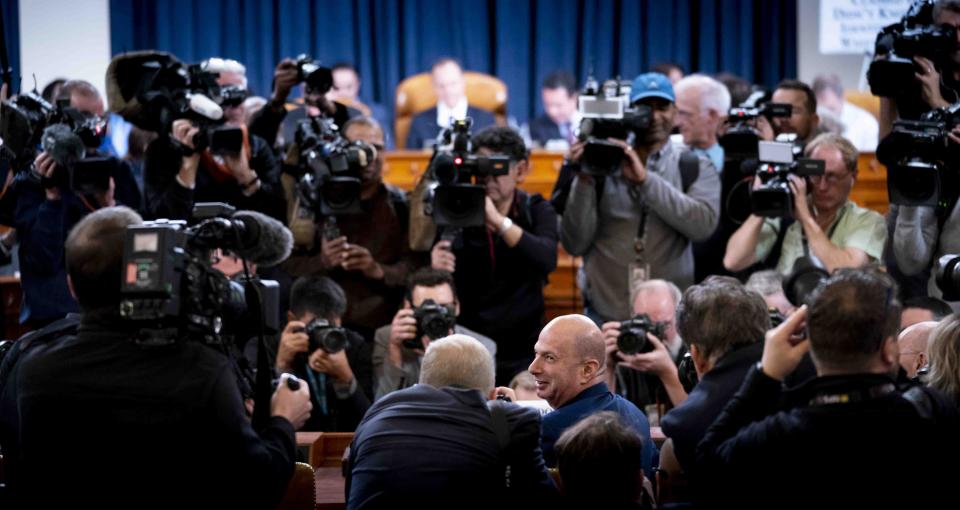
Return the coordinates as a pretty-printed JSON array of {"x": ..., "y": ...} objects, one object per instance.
[
  {"x": 837, "y": 232},
  {"x": 369, "y": 256},
  {"x": 501, "y": 268}
]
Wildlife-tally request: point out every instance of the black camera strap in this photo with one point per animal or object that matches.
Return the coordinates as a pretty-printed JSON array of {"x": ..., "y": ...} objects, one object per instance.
[{"x": 833, "y": 228}]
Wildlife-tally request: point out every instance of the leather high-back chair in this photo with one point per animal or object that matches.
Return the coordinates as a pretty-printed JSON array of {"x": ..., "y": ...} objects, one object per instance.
[{"x": 415, "y": 94}]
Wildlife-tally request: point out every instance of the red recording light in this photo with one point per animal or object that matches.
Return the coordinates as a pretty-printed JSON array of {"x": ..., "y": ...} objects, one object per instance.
[{"x": 458, "y": 161}]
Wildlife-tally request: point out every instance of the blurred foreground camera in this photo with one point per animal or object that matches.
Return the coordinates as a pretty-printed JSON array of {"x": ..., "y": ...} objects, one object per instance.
[{"x": 948, "y": 276}]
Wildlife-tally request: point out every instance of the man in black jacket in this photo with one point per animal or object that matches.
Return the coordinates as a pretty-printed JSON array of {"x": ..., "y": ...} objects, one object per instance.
[
  {"x": 560, "y": 121},
  {"x": 451, "y": 90},
  {"x": 840, "y": 440},
  {"x": 500, "y": 269},
  {"x": 151, "y": 427},
  {"x": 341, "y": 382},
  {"x": 437, "y": 445}
]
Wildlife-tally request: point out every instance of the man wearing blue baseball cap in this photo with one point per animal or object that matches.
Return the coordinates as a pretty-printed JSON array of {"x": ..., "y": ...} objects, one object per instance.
[{"x": 637, "y": 223}]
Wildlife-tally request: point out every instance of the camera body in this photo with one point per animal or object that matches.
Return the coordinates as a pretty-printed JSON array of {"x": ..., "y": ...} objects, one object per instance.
[
  {"x": 914, "y": 35},
  {"x": 778, "y": 160},
  {"x": 456, "y": 200},
  {"x": 330, "y": 167},
  {"x": 740, "y": 140},
  {"x": 607, "y": 113},
  {"x": 170, "y": 290},
  {"x": 633, "y": 334},
  {"x": 323, "y": 334},
  {"x": 947, "y": 274},
  {"x": 317, "y": 78},
  {"x": 433, "y": 321},
  {"x": 919, "y": 158}
]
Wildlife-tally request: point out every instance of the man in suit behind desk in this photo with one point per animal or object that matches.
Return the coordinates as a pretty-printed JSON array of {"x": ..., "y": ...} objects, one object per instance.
[
  {"x": 557, "y": 128},
  {"x": 450, "y": 87}
]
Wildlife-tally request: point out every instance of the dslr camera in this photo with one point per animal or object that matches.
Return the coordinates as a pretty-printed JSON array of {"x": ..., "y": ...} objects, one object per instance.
[
  {"x": 317, "y": 78},
  {"x": 920, "y": 160},
  {"x": 456, "y": 200},
  {"x": 324, "y": 335},
  {"x": 777, "y": 161},
  {"x": 914, "y": 35},
  {"x": 633, "y": 334},
  {"x": 740, "y": 140},
  {"x": 607, "y": 113},
  {"x": 433, "y": 320}
]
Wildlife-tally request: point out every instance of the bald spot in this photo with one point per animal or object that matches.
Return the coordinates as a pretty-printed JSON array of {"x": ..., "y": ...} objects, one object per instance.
[
  {"x": 914, "y": 338},
  {"x": 587, "y": 340}
]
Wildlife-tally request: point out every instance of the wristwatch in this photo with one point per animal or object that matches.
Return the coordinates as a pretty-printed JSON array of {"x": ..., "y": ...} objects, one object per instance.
[{"x": 505, "y": 225}]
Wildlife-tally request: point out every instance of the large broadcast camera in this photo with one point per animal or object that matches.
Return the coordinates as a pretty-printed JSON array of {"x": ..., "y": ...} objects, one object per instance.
[
  {"x": 171, "y": 292},
  {"x": 456, "y": 200},
  {"x": 740, "y": 140},
  {"x": 330, "y": 168},
  {"x": 914, "y": 35},
  {"x": 920, "y": 160},
  {"x": 152, "y": 89},
  {"x": 777, "y": 161},
  {"x": 607, "y": 113}
]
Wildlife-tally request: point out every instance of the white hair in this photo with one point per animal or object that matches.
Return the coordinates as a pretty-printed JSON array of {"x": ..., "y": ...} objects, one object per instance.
[
  {"x": 458, "y": 360},
  {"x": 651, "y": 286},
  {"x": 713, "y": 94}
]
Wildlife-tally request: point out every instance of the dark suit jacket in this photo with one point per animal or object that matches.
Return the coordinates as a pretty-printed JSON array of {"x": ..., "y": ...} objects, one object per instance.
[
  {"x": 423, "y": 447},
  {"x": 424, "y": 127},
  {"x": 543, "y": 129}
]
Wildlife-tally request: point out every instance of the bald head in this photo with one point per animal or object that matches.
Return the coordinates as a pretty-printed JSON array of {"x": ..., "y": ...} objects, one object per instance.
[
  {"x": 912, "y": 344},
  {"x": 569, "y": 358}
]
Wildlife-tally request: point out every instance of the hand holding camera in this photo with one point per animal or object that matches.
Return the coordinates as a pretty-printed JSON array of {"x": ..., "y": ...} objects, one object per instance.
[
  {"x": 929, "y": 79},
  {"x": 442, "y": 257},
  {"x": 359, "y": 258},
  {"x": 633, "y": 169},
  {"x": 403, "y": 329},
  {"x": 294, "y": 405},
  {"x": 784, "y": 346},
  {"x": 334, "y": 364},
  {"x": 45, "y": 166},
  {"x": 293, "y": 341},
  {"x": 285, "y": 76}
]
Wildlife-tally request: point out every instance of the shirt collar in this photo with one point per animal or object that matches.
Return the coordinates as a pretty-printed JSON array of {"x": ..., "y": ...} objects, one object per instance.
[{"x": 445, "y": 113}]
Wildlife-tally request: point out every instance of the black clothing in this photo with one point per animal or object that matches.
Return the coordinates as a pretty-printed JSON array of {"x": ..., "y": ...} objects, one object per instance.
[
  {"x": 167, "y": 198},
  {"x": 847, "y": 441},
  {"x": 423, "y": 447},
  {"x": 501, "y": 288},
  {"x": 381, "y": 229},
  {"x": 330, "y": 412},
  {"x": 686, "y": 424},
  {"x": 424, "y": 128},
  {"x": 543, "y": 129},
  {"x": 145, "y": 427}
]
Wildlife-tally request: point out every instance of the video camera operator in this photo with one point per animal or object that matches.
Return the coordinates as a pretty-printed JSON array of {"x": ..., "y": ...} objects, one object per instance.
[
  {"x": 68, "y": 179},
  {"x": 237, "y": 167},
  {"x": 363, "y": 245},
  {"x": 177, "y": 406},
  {"x": 829, "y": 226},
  {"x": 803, "y": 120},
  {"x": 501, "y": 267},
  {"x": 638, "y": 221},
  {"x": 334, "y": 361}
]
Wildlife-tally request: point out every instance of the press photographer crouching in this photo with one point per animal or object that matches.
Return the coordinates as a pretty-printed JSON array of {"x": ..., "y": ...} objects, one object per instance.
[
  {"x": 637, "y": 201},
  {"x": 830, "y": 230},
  {"x": 501, "y": 265},
  {"x": 68, "y": 179},
  {"x": 348, "y": 223},
  {"x": 334, "y": 361},
  {"x": 175, "y": 405},
  {"x": 429, "y": 312}
]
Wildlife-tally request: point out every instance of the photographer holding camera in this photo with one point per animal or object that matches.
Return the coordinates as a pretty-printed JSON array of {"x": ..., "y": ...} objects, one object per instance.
[
  {"x": 828, "y": 226},
  {"x": 429, "y": 312},
  {"x": 244, "y": 173},
  {"x": 49, "y": 202},
  {"x": 640, "y": 222},
  {"x": 368, "y": 254},
  {"x": 501, "y": 267},
  {"x": 643, "y": 353},
  {"x": 178, "y": 405},
  {"x": 334, "y": 361}
]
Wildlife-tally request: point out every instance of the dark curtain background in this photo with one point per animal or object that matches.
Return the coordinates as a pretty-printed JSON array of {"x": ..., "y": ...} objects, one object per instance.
[
  {"x": 520, "y": 41},
  {"x": 10, "y": 11}
]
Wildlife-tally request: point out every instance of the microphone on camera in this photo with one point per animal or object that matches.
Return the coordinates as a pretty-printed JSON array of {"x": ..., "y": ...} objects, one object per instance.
[
  {"x": 63, "y": 145},
  {"x": 263, "y": 240}
]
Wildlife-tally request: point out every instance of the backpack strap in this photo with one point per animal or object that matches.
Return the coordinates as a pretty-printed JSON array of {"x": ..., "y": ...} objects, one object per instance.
[{"x": 689, "y": 169}]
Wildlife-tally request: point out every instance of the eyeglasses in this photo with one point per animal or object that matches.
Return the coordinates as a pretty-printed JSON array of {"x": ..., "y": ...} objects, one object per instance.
[{"x": 832, "y": 179}]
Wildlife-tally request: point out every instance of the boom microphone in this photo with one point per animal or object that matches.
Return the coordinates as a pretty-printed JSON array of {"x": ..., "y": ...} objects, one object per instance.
[
  {"x": 264, "y": 240},
  {"x": 63, "y": 145}
]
